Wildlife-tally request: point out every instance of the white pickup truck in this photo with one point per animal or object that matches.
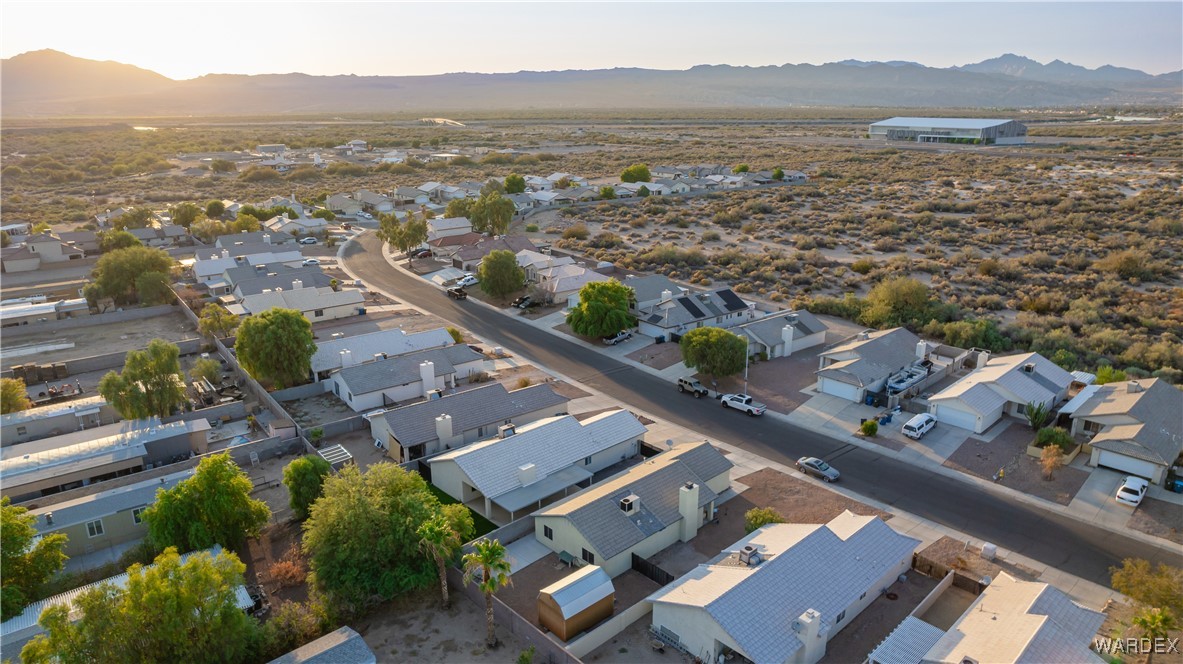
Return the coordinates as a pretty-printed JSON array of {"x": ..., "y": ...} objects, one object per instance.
[{"x": 743, "y": 402}]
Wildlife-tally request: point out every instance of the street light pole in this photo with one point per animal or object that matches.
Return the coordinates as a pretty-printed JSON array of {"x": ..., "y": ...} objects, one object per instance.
[{"x": 745, "y": 368}]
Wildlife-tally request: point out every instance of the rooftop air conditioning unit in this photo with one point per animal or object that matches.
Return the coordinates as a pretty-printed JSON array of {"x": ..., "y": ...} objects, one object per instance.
[
  {"x": 630, "y": 503},
  {"x": 1029, "y": 367},
  {"x": 749, "y": 555}
]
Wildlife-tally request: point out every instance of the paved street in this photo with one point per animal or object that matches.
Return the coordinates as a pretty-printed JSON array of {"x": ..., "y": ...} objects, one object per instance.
[{"x": 1077, "y": 548}]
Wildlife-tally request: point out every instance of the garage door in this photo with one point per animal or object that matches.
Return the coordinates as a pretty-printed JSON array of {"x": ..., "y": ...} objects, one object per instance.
[
  {"x": 955, "y": 417},
  {"x": 1127, "y": 464},
  {"x": 844, "y": 390}
]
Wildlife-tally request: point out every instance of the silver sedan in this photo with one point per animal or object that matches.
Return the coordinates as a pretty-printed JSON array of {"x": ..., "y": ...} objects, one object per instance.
[{"x": 818, "y": 468}]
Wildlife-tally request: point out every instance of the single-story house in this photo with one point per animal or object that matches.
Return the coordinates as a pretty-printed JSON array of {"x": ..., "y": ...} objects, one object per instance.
[
  {"x": 373, "y": 202},
  {"x": 340, "y": 646},
  {"x": 575, "y": 180},
  {"x": 298, "y": 226},
  {"x": 470, "y": 257},
  {"x": 407, "y": 377},
  {"x": 235, "y": 241},
  {"x": 536, "y": 183},
  {"x": 55, "y": 419},
  {"x": 649, "y": 290},
  {"x": 339, "y": 352},
  {"x": 863, "y": 363},
  {"x": 532, "y": 261},
  {"x": 1011, "y": 621},
  {"x": 50, "y": 248},
  {"x": 675, "y": 314},
  {"x": 576, "y": 602},
  {"x": 1134, "y": 426},
  {"x": 452, "y": 421},
  {"x": 545, "y": 197},
  {"x": 562, "y": 283},
  {"x": 781, "y": 334},
  {"x": 87, "y": 241},
  {"x": 527, "y": 466},
  {"x": 275, "y": 279},
  {"x": 781, "y": 593},
  {"x": 317, "y": 304},
  {"x": 211, "y": 270},
  {"x": 1000, "y": 385},
  {"x": 342, "y": 204},
  {"x": 447, "y": 246},
  {"x": 447, "y": 227},
  {"x": 409, "y": 196},
  {"x": 641, "y": 510},
  {"x": 522, "y": 203},
  {"x": 673, "y": 186},
  {"x": 18, "y": 258},
  {"x": 106, "y": 518},
  {"x": 107, "y": 217}
]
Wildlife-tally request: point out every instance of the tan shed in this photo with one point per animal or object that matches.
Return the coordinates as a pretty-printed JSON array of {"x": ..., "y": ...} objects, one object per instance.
[{"x": 576, "y": 603}]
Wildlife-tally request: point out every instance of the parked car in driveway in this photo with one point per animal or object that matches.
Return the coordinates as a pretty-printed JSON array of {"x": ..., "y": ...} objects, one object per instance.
[
  {"x": 1132, "y": 491},
  {"x": 422, "y": 253},
  {"x": 308, "y": 240},
  {"x": 522, "y": 302},
  {"x": 469, "y": 279},
  {"x": 692, "y": 386},
  {"x": 310, "y": 261},
  {"x": 743, "y": 402},
  {"x": 916, "y": 427},
  {"x": 818, "y": 468},
  {"x": 620, "y": 336}
]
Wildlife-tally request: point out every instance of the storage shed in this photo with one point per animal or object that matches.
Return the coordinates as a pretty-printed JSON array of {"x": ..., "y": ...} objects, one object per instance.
[{"x": 576, "y": 603}]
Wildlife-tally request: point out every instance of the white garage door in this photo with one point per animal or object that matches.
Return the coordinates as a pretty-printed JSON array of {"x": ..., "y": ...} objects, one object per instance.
[
  {"x": 955, "y": 417},
  {"x": 844, "y": 390},
  {"x": 1127, "y": 464}
]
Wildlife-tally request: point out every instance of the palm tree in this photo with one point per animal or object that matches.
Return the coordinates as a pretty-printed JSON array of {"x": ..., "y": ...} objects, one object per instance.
[
  {"x": 1155, "y": 624},
  {"x": 439, "y": 540},
  {"x": 487, "y": 560},
  {"x": 1037, "y": 414}
]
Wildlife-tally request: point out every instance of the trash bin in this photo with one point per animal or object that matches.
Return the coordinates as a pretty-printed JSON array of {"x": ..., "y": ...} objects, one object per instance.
[
  {"x": 659, "y": 339},
  {"x": 869, "y": 400},
  {"x": 1175, "y": 485}
]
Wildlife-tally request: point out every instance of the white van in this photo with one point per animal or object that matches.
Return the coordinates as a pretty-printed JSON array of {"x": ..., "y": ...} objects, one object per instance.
[{"x": 916, "y": 427}]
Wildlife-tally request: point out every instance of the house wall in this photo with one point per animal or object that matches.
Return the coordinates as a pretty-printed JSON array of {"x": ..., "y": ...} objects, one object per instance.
[
  {"x": 567, "y": 538},
  {"x": 364, "y": 403},
  {"x": 22, "y": 265},
  {"x": 56, "y": 425},
  {"x": 447, "y": 476},
  {"x": 24, "y": 491},
  {"x": 118, "y": 528},
  {"x": 333, "y": 312},
  {"x": 840, "y": 389},
  {"x": 801, "y": 343},
  {"x": 697, "y": 632}
]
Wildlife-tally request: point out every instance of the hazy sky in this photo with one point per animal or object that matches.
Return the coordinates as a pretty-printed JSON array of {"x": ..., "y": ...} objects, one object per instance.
[{"x": 187, "y": 39}]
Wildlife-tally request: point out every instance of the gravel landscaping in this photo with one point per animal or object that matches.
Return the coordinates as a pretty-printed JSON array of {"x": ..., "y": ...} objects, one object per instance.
[
  {"x": 1159, "y": 518},
  {"x": 1023, "y": 473}
]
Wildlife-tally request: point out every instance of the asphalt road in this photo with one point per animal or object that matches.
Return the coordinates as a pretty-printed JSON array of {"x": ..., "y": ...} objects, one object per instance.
[{"x": 1072, "y": 546}]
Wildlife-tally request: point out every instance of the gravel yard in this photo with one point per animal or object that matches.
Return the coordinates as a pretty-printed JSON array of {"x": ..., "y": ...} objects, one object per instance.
[
  {"x": 1023, "y": 473},
  {"x": 658, "y": 356},
  {"x": 1159, "y": 518}
]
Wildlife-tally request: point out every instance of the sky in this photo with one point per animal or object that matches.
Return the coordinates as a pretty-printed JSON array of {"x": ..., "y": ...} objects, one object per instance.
[{"x": 187, "y": 39}]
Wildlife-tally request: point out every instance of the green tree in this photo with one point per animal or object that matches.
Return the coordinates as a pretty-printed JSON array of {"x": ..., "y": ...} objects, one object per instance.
[
  {"x": 304, "y": 478},
  {"x": 215, "y": 209},
  {"x": 1156, "y": 624},
  {"x": 758, "y": 517},
  {"x": 169, "y": 612},
  {"x": 515, "y": 184},
  {"x": 117, "y": 271},
  {"x": 151, "y": 384},
  {"x": 222, "y": 166},
  {"x": 212, "y": 507},
  {"x": 459, "y": 207},
  {"x": 5, "y": 239},
  {"x": 603, "y": 309},
  {"x": 154, "y": 288},
  {"x": 489, "y": 569},
  {"x": 440, "y": 538},
  {"x": 207, "y": 369},
  {"x": 457, "y": 335},
  {"x": 186, "y": 213},
  {"x": 207, "y": 230},
  {"x": 403, "y": 236},
  {"x": 897, "y": 302},
  {"x": 741, "y": 168},
  {"x": 1159, "y": 586},
  {"x": 40, "y": 227},
  {"x": 27, "y": 560},
  {"x": 492, "y": 186},
  {"x": 643, "y": 192},
  {"x": 778, "y": 174},
  {"x": 607, "y": 192},
  {"x": 1037, "y": 414},
  {"x": 491, "y": 213},
  {"x": 327, "y": 215},
  {"x": 136, "y": 218},
  {"x": 14, "y": 396},
  {"x": 276, "y": 346},
  {"x": 500, "y": 273},
  {"x": 216, "y": 321},
  {"x": 714, "y": 351},
  {"x": 112, "y": 240},
  {"x": 636, "y": 173},
  {"x": 563, "y": 183},
  {"x": 362, "y": 538}
]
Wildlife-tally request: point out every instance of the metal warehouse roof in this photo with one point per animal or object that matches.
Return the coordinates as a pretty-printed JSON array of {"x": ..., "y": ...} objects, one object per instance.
[{"x": 942, "y": 123}]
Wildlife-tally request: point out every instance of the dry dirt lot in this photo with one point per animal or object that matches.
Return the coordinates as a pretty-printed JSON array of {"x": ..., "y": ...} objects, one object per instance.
[
  {"x": 860, "y": 636},
  {"x": 89, "y": 340},
  {"x": 1159, "y": 518},
  {"x": 1023, "y": 473},
  {"x": 658, "y": 356},
  {"x": 631, "y": 587},
  {"x": 968, "y": 560},
  {"x": 1118, "y": 624}
]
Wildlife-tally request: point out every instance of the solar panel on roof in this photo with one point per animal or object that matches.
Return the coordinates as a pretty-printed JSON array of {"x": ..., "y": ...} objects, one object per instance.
[
  {"x": 691, "y": 307},
  {"x": 731, "y": 300}
]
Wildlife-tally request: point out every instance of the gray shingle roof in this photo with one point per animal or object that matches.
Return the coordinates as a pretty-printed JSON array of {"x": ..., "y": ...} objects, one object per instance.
[
  {"x": 699, "y": 306},
  {"x": 471, "y": 409},
  {"x": 404, "y": 369},
  {"x": 280, "y": 277},
  {"x": 364, "y": 346},
  {"x": 650, "y": 287},
  {"x": 767, "y": 330},
  {"x": 342, "y": 646},
  {"x": 1158, "y": 436},
  {"x": 481, "y": 249},
  {"x": 883, "y": 353}
]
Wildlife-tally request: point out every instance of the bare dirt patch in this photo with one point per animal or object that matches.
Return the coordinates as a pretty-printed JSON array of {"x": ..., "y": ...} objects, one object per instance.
[
  {"x": 90, "y": 340},
  {"x": 272, "y": 545},
  {"x": 631, "y": 587},
  {"x": 658, "y": 356},
  {"x": 1023, "y": 473},
  {"x": 968, "y": 560},
  {"x": 869, "y": 628},
  {"x": 1159, "y": 518}
]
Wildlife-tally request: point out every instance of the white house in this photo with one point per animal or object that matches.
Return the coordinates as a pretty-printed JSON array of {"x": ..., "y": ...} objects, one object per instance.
[
  {"x": 298, "y": 226},
  {"x": 532, "y": 261},
  {"x": 781, "y": 334},
  {"x": 1134, "y": 426},
  {"x": 380, "y": 345},
  {"x": 447, "y": 227},
  {"x": 535, "y": 183},
  {"x": 675, "y": 314},
  {"x": 373, "y": 202},
  {"x": 641, "y": 510},
  {"x": 403, "y": 378},
  {"x": 1000, "y": 385},
  {"x": 430, "y": 427},
  {"x": 317, "y": 304},
  {"x": 864, "y": 362},
  {"x": 562, "y": 282},
  {"x": 781, "y": 593},
  {"x": 527, "y": 466}
]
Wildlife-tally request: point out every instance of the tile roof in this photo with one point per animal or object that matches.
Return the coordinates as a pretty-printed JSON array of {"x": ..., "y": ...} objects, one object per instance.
[
  {"x": 881, "y": 354},
  {"x": 1151, "y": 408},
  {"x": 552, "y": 445},
  {"x": 512, "y": 243},
  {"x": 302, "y": 299},
  {"x": 595, "y": 511},
  {"x": 767, "y": 330},
  {"x": 364, "y": 347},
  {"x": 821, "y": 567},
  {"x": 341, "y": 646},
  {"x": 1004, "y": 379},
  {"x": 471, "y": 409},
  {"x": 404, "y": 369},
  {"x": 281, "y": 277}
]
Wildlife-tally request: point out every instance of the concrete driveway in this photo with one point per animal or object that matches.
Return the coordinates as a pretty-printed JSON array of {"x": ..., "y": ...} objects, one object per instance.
[{"x": 1096, "y": 501}]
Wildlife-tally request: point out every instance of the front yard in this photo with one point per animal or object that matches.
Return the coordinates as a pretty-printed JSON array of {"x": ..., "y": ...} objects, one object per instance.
[{"x": 1008, "y": 451}]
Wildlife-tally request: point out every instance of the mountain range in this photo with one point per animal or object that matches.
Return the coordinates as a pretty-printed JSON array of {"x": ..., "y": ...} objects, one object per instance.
[{"x": 50, "y": 84}]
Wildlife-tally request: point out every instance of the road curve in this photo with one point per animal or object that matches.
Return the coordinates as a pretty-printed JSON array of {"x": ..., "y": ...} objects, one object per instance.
[{"x": 1064, "y": 543}]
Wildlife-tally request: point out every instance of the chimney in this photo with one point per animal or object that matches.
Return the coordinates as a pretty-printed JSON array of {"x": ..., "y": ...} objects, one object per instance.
[
  {"x": 297, "y": 284},
  {"x": 527, "y": 474},
  {"x": 49, "y": 518},
  {"x": 666, "y": 295},
  {"x": 688, "y": 508},
  {"x": 427, "y": 376},
  {"x": 786, "y": 335},
  {"x": 266, "y": 238},
  {"x": 921, "y": 350},
  {"x": 505, "y": 431},
  {"x": 443, "y": 429},
  {"x": 1133, "y": 387},
  {"x": 808, "y": 628},
  {"x": 225, "y": 253},
  {"x": 346, "y": 358}
]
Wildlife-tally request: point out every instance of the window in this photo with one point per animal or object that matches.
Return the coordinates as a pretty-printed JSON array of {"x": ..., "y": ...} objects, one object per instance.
[
  {"x": 318, "y": 313},
  {"x": 589, "y": 557},
  {"x": 137, "y": 514},
  {"x": 862, "y": 595},
  {"x": 587, "y": 461},
  {"x": 94, "y": 528},
  {"x": 548, "y": 533},
  {"x": 20, "y": 431},
  {"x": 840, "y": 617}
]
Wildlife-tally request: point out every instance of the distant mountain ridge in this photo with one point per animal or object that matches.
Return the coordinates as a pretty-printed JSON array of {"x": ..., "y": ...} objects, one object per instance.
[{"x": 50, "y": 83}]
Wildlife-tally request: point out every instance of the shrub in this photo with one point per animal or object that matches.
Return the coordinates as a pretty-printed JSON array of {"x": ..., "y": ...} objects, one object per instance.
[
  {"x": 290, "y": 570},
  {"x": 523, "y": 382},
  {"x": 862, "y": 265},
  {"x": 576, "y": 232},
  {"x": 869, "y": 428},
  {"x": 1055, "y": 436},
  {"x": 531, "y": 228},
  {"x": 711, "y": 236},
  {"x": 758, "y": 517}
]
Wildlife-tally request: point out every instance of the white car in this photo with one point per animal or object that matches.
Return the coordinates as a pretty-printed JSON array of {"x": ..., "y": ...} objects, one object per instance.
[
  {"x": 1132, "y": 491},
  {"x": 307, "y": 240},
  {"x": 467, "y": 280},
  {"x": 309, "y": 262},
  {"x": 916, "y": 427},
  {"x": 743, "y": 402}
]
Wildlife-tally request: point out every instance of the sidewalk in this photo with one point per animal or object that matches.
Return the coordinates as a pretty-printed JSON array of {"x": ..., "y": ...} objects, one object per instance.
[{"x": 820, "y": 419}]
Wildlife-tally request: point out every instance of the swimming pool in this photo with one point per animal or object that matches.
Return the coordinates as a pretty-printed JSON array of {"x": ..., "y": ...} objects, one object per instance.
[{"x": 238, "y": 440}]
